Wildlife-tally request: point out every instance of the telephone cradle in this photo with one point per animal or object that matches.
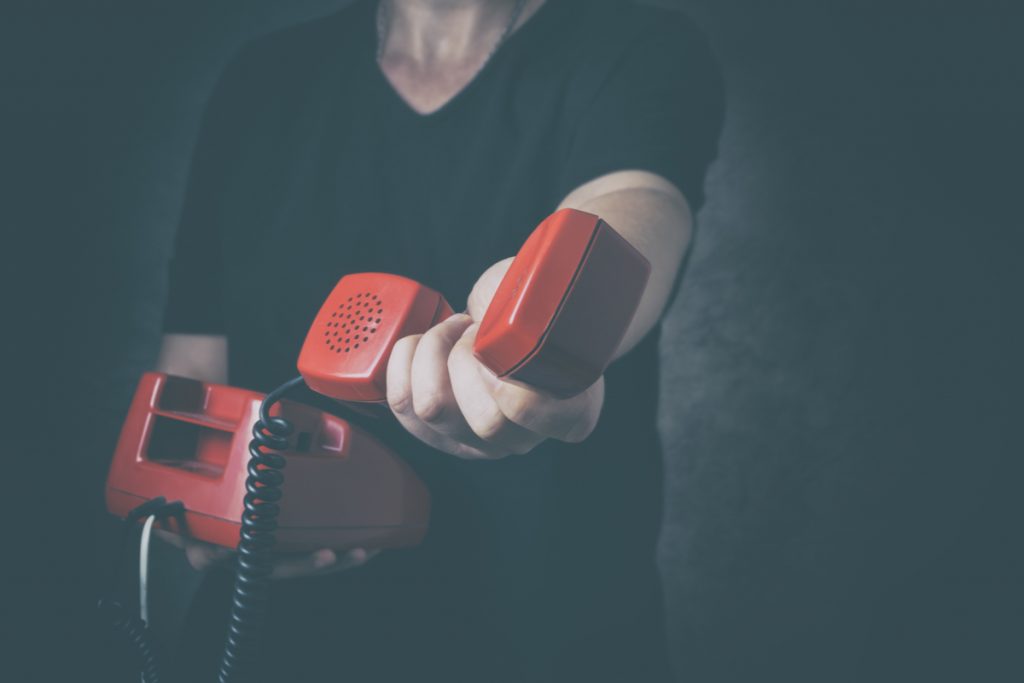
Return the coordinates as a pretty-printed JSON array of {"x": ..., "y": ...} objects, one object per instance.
[{"x": 188, "y": 441}]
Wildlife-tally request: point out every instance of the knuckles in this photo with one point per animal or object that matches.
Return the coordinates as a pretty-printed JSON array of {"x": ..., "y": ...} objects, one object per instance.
[
  {"x": 430, "y": 408},
  {"x": 496, "y": 419},
  {"x": 580, "y": 433},
  {"x": 489, "y": 426},
  {"x": 400, "y": 402},
  {"x": 539, "y": 413},
  {"x": 520, "y": 408}
]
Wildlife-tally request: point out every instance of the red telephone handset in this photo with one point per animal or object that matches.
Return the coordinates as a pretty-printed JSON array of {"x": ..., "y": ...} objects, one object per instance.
[
  {"x": 189, "y": 441},
  {"x": 347, "y": 348},
  {"x": 564, "y": 305}
]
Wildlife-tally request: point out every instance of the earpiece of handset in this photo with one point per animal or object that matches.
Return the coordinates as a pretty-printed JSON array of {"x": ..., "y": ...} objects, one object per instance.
[
  {"x": 346, "y": 351},
  {"x": 564, "y": 305}
]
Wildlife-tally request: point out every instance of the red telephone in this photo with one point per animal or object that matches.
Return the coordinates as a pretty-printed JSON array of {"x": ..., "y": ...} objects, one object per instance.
[
  {"x": 554, "y": 323},
  {"x": 564, "y": 305},
  {"x": 188, "y": 441}
]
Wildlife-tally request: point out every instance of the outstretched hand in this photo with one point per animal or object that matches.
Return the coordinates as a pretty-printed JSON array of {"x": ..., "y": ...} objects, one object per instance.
[{"x": 446, "y": 398}]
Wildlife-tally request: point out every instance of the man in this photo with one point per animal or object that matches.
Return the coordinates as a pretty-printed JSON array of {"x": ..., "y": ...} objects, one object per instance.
[{"x": 428, "y": 138}]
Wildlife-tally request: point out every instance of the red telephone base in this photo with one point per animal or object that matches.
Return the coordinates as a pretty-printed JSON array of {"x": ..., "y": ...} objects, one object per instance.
[{"x": 188, "y": 441}]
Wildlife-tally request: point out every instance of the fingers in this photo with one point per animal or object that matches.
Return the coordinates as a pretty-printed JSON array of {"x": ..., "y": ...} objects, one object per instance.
[
  {"x": 206, "y": 555},
  {"x": 571, "y": 419},
  {"x": 200, "y": 554},
  {"x": 473, "y": 386},
  {"x": 323, "y": 561},
  {"x": 419, "y": 390},
  {"x": 169, "y": 537},
  {"x": 400, "y": 396},
  {"x": 433, "y": 400},
  {"x": 303, "y": 565},
  {"x": 444, "y": 396}
]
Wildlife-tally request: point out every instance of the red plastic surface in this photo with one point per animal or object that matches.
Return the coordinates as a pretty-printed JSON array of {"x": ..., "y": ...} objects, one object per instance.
[
  {"x": 188, "y": 441},
  {"x": 346, "y": 350},
  {"x": 564, "y": 305}
]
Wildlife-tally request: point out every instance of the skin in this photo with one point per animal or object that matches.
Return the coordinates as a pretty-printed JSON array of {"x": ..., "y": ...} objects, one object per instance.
[{"x": 436, "y": 388}]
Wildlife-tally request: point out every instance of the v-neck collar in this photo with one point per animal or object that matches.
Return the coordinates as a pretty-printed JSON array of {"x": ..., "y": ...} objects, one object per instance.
[{"x": 510, "y": 43}]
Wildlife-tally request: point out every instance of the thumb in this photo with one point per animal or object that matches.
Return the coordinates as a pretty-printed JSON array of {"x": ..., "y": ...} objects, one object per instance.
[{"x": 485, "y": 287}]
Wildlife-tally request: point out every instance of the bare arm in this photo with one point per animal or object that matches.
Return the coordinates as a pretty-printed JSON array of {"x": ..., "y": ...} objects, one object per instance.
[
  {"x": 197, "y": 356},
  {"x": 652, "y": 214},
  {"x": 442, "y": 395}
]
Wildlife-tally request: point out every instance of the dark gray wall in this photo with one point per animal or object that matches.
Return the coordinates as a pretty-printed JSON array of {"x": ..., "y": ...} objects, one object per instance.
[{"x": 837, "y": 390}]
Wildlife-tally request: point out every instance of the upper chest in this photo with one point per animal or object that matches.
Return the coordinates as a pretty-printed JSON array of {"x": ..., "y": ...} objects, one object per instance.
[{"x": 426, "y": 89}]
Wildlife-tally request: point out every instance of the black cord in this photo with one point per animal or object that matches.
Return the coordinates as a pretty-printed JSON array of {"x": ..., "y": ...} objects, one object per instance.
[
  {"x": 138, "y": 635},
  {"x": 256, "y": 543},
  {"x": 134, "y": 629}
]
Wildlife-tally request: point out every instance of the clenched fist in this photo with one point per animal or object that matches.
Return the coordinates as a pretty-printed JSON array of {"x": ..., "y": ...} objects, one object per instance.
[{"x": 447, "y": 399}]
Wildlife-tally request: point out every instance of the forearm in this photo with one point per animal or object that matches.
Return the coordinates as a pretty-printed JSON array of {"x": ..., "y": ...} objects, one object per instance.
[
  {"x": 654, "y": 217},
  {"x": 441, "y": 394},
  {"x": 197, "y": 356}
]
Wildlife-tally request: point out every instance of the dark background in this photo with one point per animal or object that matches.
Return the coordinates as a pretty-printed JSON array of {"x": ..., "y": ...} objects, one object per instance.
[{"x": 840, "y": 375}]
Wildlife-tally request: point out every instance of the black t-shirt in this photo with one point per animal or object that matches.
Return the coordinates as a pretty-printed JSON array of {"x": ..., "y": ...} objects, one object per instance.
[{"x": 310, "y": 166}]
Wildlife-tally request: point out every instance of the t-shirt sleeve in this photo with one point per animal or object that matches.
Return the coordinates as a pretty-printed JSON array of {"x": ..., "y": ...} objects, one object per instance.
[
  {"x": 195, "y": 294},
  {"x": 658, "y": 109}
]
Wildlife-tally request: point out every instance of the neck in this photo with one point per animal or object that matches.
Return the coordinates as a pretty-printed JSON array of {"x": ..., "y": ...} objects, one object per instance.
[{"x": 447, "y": 31}]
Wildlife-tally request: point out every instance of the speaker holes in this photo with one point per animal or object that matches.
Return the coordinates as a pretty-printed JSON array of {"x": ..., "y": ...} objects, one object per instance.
[
  {"x": 352, "y": 323},
  {"x": 354, "y": 320}
]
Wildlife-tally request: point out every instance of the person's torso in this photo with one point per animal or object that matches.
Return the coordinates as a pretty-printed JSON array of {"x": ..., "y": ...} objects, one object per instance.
[{"x": 342, "y": 176}]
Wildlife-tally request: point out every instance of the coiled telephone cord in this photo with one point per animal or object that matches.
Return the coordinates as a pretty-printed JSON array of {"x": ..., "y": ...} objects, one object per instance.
[
  {"x": 134, "y": 628},
  {"x": 256, "y": 544}
]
